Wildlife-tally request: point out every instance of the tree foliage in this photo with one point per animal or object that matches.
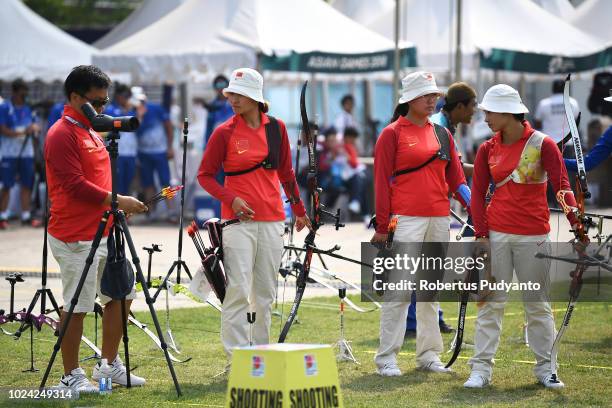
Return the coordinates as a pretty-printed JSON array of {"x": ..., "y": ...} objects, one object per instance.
[{"x": 83, "y": 13}]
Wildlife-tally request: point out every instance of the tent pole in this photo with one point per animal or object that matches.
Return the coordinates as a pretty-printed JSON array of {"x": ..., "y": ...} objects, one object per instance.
[
  {"x": 396, "y": 54},
  {"x": 458, "y": 44},
  {"x": 325, "y": 101},
  {"x": 451, "y": 32},
  {"x": 368, "y": 138},
  {"x": 479, "y": 79},
  {"x": 258, "y": 63},
  {"x": 183, "y": 99},
  {"x": 522, "y": 86}
]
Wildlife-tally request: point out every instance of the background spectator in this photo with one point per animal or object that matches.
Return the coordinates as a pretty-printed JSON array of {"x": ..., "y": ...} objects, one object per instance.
[
  {"x": 154, "y": 146},
  {"x": 550, "y": 113},
  {"x": 17, "y": 139},
  {"x": 128, "y": 144},
  {"x": 345, "y": 118},
  {"x": 219, "y": 109}
]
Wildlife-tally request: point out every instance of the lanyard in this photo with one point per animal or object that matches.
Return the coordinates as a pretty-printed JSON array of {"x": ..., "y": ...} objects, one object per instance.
[{"x": 93, "y": 135}]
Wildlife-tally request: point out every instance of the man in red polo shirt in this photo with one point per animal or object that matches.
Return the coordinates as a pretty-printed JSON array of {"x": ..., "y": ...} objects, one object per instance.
[{"x": 80, "y": 183}]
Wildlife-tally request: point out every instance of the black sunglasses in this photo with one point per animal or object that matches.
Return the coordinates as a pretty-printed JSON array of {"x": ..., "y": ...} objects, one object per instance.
[{"x": 97, "y": 103}]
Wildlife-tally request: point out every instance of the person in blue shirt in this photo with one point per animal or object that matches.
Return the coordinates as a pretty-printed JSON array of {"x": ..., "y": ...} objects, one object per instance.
[
  {"x": 459, "y": 107},
  {"x": 219, "y": 109},
  {"x": 55, "y": 113},
  {"x": 17, "y": 129},
  {"x": 155, "y": 136},
  {"x": 600, "y": 152},
  {"x": 128, "y": 143}
]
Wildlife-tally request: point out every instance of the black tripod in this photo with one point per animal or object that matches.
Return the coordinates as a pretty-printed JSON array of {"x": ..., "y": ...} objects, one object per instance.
[
  {"x": 41, "y": 293},
  {"x": 118, "y": 216},
  {"x": 178, "y": 263}
]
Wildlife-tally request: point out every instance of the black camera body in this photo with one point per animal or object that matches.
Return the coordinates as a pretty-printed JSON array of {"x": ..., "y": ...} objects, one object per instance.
[{"x": 106, "y": 123}]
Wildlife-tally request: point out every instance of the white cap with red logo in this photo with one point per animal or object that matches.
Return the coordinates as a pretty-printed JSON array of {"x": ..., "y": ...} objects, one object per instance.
[
  {"x": 246, "y": 82},
  {"x": 418, "y": 84}
]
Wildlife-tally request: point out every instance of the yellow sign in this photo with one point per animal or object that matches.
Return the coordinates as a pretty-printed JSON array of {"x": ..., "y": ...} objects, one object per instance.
[{"x": 284, "y": 376}]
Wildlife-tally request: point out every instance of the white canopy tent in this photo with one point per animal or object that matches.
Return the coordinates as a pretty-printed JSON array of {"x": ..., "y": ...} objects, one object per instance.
[
  {"x": 308, "y": 35},
  {"x": 178, "y": 45},
  {"x": 149, "y": 12},
  {"x": 364, "y": 12},
  {"x": 212, "y": 36},
  {"x": 516, "y": 36},
  {"x": 560, "y": 8},
  {"x": 33, "y": 48},
  {"x": 593, "y": 17}
]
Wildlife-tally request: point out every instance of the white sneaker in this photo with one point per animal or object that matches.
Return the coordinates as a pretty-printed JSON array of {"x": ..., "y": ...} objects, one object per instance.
[
  {"x": 389, "y": 370},
  {"x": 551, "y": 383},
  {"x": 476, "y": 381},
  {"x": 436, "y": 367},
  {"x": 354, "y": 207},
  {"x": 116, "y": 370},
  {"x": 77, "y": 382}
]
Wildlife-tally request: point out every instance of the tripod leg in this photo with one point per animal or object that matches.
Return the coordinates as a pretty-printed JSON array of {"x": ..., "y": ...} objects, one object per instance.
[
  {"x": 145, "y": 291},
  {"x": 168, "y": 330},
  {"x": 182, "y": 210},
  {"x": 163, "y": 284},
  {"x": 32, "y": 369},
  {"x": 178, "y": 268},
  {"x": 55, "y": 306},
  {"x": 275, "y": 312},
  {"x": 27, "y": 321},
  {"x": 322, "y": 261},
  {"x": 96, "y": 314},
  {"x": 186, "y": 269},
  {"x": 77, "y": 293},
  {"x": 126, "y": 340},
  {"x": 94, "y": 346},
  {"x": 149, "y": 269}
]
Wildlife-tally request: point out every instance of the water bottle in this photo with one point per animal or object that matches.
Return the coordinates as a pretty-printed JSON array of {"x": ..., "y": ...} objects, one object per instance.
[
  {"x": 105, "y": 384},
  {"x": 109, "y": 385},
  {"x": 102, "y": 383}
]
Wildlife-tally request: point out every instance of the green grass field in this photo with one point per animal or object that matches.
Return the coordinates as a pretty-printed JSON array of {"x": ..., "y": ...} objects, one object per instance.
[{"x": 586, "y": 363}]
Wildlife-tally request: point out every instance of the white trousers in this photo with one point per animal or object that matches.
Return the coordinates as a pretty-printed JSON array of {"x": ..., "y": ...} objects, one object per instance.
[
  {"x": 510, "y": 253},
  {"x": 252, "y": 254},
  {"x": 393, "y": 314}
]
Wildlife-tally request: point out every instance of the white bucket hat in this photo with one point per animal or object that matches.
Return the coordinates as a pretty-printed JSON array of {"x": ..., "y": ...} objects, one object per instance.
[
  {"x": 418, "y": 84},
  {"x": 138, "y": 95},
  {"x": 246, "y": 82},
  {"x": 502, "y": 98},
  {"x": 609, "y": 98}
]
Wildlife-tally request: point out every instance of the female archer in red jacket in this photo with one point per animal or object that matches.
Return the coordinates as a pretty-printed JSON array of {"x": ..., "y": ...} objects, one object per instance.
[
  {"x": 253, "y": 149},
  {"x": 514, "y": 226},
  {"x": 416, "y": 165}
]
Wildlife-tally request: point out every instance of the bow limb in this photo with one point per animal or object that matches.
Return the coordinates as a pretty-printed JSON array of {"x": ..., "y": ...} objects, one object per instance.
[
  {"x": 582, "y": 192},
  {"x": 569, "y": 114},
  {"x": 315, "y": 219}
]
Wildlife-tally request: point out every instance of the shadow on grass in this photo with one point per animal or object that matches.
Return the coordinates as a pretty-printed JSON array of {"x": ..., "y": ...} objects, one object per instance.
[
  {"x": 376, "y": 383},
  {"x": 492, "y": 395},
  {"x": 595, "y": 347},
  {"x": 365, "y": 344},
  {"x": 212, "y": 392}
]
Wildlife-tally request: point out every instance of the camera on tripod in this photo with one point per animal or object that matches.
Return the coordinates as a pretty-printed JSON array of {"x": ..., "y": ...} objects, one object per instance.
[{"x": 106, "y": 123}]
